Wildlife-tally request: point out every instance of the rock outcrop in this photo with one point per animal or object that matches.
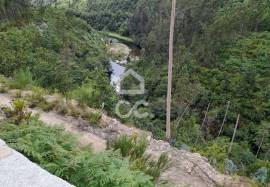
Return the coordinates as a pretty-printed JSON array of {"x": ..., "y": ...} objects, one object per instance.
[{"x": 185, "y": 168}]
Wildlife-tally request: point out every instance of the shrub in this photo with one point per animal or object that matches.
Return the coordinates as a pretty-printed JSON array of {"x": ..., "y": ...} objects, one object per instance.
[
  {"x": 131, "y": 146},
  {"x": 85, "y": 95},
  {"x": 92, "y": 117},
  {"x": 3, "y": 89},
  {"x": 18, "y": 94},
  {"x": 36, "y": 97},
  {"x": 3, "y": 79},
  {"x": 230, "y": 167},
  {"x": 155, "y": 168},
  {"x": 3, "y": 84},
  {"x": 18, "y": 112},
  {"x": 109, "y": 169},
  {"x": 62, "y": 107},
  {"x": 96, "y": 92},
  {"x": 74, "y": 111},
  {"x": 260, "y": 176},
  {"x": 215, "y": 151},
  {"x": 134, "y": 148},
  {"x": 22, "y": 79}
]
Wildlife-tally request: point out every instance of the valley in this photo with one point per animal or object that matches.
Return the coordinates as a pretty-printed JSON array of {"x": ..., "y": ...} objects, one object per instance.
[{"x": 60, "y": 61}]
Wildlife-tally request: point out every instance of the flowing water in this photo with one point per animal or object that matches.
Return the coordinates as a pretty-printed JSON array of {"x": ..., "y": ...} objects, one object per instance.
[
  {"x": 117, "y": 71},
  {"x": 118, "y": 66}
]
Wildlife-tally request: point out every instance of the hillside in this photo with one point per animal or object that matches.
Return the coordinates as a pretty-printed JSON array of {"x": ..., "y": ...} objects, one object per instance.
[
  {"x": 221, "y": 70},
  {"x": 184, "y": 168},
  {"x": 57, "y": 59}
]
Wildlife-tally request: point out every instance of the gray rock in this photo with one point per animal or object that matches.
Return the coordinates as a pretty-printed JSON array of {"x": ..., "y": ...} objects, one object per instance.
[
  {"x": 17, "y": 171},
  {"x": 185, "y": 168},
  {"x": 2, "y": 142}
]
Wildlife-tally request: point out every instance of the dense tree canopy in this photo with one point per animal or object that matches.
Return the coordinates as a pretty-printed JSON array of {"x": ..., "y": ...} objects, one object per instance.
[
  {"x": 13, "y": 9},
  {"x": 110, "y": 14}
]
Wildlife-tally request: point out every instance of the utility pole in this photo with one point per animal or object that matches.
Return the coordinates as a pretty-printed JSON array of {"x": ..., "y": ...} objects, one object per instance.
[
  {"x": 260, "y": 146},
  {"x": 204, "y": 120},
  {"x": 225, "y": 118},
  {"x": 170, "y": 71},
  {"x": 234, "y": 132}
]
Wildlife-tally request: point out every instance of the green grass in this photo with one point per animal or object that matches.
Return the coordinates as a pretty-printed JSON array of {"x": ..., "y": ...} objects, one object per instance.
[
  {"x": 124, "y": 39},
  {"x": 79, "y": 5}
]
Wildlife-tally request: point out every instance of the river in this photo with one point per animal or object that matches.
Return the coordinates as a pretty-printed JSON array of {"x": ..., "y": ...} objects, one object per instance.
[
  {"x": 117, "y": 71},
  {"x": 118, "y": 65}
]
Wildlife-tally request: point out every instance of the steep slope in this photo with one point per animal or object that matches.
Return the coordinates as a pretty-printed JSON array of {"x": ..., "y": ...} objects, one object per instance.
[{"x": 185, "y": 168}]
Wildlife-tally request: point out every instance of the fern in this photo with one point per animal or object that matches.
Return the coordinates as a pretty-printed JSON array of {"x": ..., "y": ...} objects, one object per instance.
[
  {"x": 58, "y": 152},
  {"x": 134, "y": 148}
]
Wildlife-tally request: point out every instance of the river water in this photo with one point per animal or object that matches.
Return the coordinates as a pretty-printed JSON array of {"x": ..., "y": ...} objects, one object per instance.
[
  {"x": 117, "y": 72},
  {"x": 118, "y": 66}
]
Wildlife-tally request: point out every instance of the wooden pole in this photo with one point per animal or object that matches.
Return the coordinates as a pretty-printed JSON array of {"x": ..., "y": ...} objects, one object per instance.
[
  {"x": 260, "y": 146},
  {"x": 170, "y": 66},
  {"x": 179, "y": 119},
  {"x": 204, "y": 120},
  {"x": 234, "y": 132},
  {"x": 225, "y": 118},
  {"x": 205, "y": 115}
]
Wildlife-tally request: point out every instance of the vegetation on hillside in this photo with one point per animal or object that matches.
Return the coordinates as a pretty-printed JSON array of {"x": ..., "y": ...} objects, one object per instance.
[
  {"x": 58, "y": 152},
  {"x": 221, "y": 55},
  {"x": 58, "y": 51}
]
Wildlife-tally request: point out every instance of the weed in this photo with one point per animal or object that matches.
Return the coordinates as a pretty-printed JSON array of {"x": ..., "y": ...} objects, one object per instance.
[
  {"x": 92, "y": 117},
  {"x": 3, "y": 89},
  {"x": 134, "y": 147},
  {"x": 18, "y": 112},
  {"x": 61, "y": 107}
]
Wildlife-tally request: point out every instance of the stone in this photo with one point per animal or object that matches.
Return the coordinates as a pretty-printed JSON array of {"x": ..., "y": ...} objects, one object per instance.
[
  {"x": 2, "y": 142},
  {"x": 5, "y": 152},
  {"x": 17, "y": 171}
]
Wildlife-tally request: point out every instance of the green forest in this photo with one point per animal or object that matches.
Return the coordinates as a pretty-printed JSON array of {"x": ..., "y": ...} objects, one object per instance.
[
  {"x": 222, "y": 54},
  {"x": 221, "y": 70}
]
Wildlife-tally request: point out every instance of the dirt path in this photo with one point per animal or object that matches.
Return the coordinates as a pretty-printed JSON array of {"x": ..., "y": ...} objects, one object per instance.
[
  {"x": 53, "y": 119},
  {"x": 85, "y": 138}
]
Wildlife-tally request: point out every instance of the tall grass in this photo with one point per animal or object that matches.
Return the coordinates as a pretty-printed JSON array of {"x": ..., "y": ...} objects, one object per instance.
[
  {"x": 134, "y": 148},
  {"x": 22, "y": 79},
  {"x": 18, "y": 112}
]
